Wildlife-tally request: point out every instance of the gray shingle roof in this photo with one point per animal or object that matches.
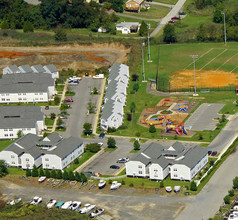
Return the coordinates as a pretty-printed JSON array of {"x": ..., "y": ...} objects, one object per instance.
[
  {"x": 157, "y": 154},
  {"x": 107, "y": 110},
  {"x": 26, "y": 68},
  {"x": 20, "y": 116},
  {"x": 39, "y": 68},
  {"x": 25, "y": 83},
  {"x": 51, "y": 67},
  {"x": 14, "y": 68}
]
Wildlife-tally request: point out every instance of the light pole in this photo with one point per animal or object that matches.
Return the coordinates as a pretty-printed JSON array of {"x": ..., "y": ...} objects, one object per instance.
[
  {"x": 194, "y": 57},
  {"x": 148, "y": 29},
  {"x": 143, "y": 65},
  {"x": 224, "y": 18}
]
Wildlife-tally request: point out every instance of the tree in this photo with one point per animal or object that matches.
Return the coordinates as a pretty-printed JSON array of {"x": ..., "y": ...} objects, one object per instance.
[
  {"x": 143, "y": 29},
  {"x": 47, "y": 173},
  {"x": 226, "y": 199},
  {"x": 65, "y": 175},
  {"x": 133, "y": 107},
  {"x": 59, "y": 174},
  {"x": 137, "y": 134},
  {"x": 59, "y": 122},
  {"x": 117, "y": 5},
  {"x": 200, "y": 136},
  {"x": 218, "y": 16},
  {"x": 136, "y": 87},
  {"x": 161, "y": 184},
  {"x": 111, "y": 142},
  {"x": 19, "y": 134},
  {"x": 83, "y": 177},
  {"x": 169, "y": 35},
  {"x": 129, "y": 117},
  {"x": 34, "y": 172},
  {"x": 41, "y": 172},
  {"x": 231, "y": 192},
  {"x": 95, "y": 90},
  {"x": 77, "y": 177},
  {"x": 60, "y": 35},
  {"x": 152, "y": 129},
  {"x": 71, "y": 175},
  {"x": 136, "y": 145},
  {"x": 4, "y": 25},
  {"x": 57, "y": 100},
  {"x": 235, "y": 182},
  {"x": 3, "y": 168},
  {"x": 91, "y": 107},
  {"x": 52, "y": 116},
  {"x": 94, "y": 147},
  {"x": 53, "y": 174},
  {"x": 76, "y": 161},
  {"x": 223, "y": 118},
  {"x": 28, "y": 172},
  {"x": 87, "y": 128},
  {"x": 193, "y": 186},
  {"x": 28, "y": 27},
  {"x": 135, "y": 77}
]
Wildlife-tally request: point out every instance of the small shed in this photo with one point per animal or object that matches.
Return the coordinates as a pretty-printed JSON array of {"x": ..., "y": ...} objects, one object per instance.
[{"x": 236, "y": 90}]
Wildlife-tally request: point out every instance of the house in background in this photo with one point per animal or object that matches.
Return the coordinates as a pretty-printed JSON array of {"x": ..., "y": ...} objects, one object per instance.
[
  {"x": 156, "y": 162},
  {"x": 28, "y": 119},
  {"x": 128, "y": 27},
  {"x": 27, "y": 87},
  {"x": 53, "y": 152},
  {"x": 134, "y": 5},
  {"x": 50, "y": 69},
  {"x": 115, "y": 96}
]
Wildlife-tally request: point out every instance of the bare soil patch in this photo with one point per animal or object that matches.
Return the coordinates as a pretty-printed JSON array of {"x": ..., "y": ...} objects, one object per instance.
[
  {"x": 83, "y": 57},
  {"x": 204, "y": 79}
]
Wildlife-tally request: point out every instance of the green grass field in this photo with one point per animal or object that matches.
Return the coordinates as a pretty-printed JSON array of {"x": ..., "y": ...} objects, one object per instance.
[{"x": 5, "y": 143}]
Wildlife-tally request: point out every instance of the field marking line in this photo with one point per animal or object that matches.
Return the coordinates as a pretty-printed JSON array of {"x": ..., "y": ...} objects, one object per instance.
[
  {"x": 233, "y": 69},
  {"x": 213, "y": 59},
  {"x": 199, "y": 58},
  {"x": 226, "y": 62}
]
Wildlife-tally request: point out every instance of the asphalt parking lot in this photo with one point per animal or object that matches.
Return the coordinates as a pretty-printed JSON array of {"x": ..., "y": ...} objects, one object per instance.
[
  {"x": 203, "y": 118},
  {"x": 78, "y": 112}
]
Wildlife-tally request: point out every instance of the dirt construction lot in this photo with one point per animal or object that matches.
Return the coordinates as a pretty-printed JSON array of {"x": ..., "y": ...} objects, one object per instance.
[
  {"x": 83, "y": 57},
  {"x": 204, "y": 79}
]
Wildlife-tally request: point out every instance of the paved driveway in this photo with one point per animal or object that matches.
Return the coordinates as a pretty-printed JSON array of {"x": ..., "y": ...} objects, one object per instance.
[
  {"x": 203, "y": 118},
  {"x": 78, "y": 113}
]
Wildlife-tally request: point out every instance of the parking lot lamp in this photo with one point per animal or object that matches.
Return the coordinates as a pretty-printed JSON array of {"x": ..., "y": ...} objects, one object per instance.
[
  {"x": 148, "y": 29},
  {"x": 224, "y": 19},
  {"x": 143, "y": 65},
  {"x": 194, "y": 57}
]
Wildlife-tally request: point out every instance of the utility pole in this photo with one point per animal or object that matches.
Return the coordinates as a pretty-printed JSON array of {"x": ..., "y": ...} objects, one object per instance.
[
  {"x": 143, "y": 65},
  {"x": 194, "y": 57},
  {"x": 148, "y": 30},
  {"x": 224, "y": 18}
]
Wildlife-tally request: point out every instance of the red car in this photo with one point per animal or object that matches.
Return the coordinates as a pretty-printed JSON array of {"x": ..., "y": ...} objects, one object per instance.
[
  {"x": 214, "y": 153},
  {"x": 68, "y": 99}
]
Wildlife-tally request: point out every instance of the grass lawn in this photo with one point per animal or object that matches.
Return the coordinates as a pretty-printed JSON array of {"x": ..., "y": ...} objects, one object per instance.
[
  {"x": 70, "y": 93},
  {"x": 5, "y": 143},
  {"x": 110, "y": 149},
  {"x": 60, "y": 88},
  {"x": 170, "y": 2},
  {"x": 49, "y": 122},
  {"x": 134, "y": 151},
  {"x": 86, "y": 155},
  {"x": 16, "y": 171}
]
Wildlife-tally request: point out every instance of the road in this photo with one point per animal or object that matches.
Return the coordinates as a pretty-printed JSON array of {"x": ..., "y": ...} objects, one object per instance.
[
  {"x": 208, "y": 201},
  {"x": 175, "y": 10},
  {"x": 78, "y": 113}
]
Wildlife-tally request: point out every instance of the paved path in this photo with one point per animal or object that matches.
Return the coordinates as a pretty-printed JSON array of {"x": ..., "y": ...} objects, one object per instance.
[
  {"x": 175, "y": 10},
  {"x": 33, "y": 2},
  {"x": 207, "y": 202}
]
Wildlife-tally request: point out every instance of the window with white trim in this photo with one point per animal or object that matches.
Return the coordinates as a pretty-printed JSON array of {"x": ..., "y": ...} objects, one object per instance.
[{"x": 140, "y": 172}]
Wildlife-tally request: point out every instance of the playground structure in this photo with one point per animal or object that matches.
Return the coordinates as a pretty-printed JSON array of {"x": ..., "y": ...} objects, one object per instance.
[{"x": 167, "y": 115}]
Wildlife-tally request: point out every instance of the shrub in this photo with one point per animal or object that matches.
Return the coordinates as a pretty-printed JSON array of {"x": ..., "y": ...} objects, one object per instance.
[
  {"x": 71, "y": 175},
  {"x": 34, "y": 172},
  {"x": 77, "y": 177},
  {"x": 65, "y": 175},
  {"x": 152, "y": 129},
  {"x": 83, "y": 177},
  {"x": 226, "y": 199},
  {"x": 122, "y": 127},
  {"x": 161, "y": 184},
  {"x": 53, "y": 174},
  {"x": 134, "y": 77},
  {"x": 47, "y": 173},
  {"x": 59, "y": 174},
  {"x": 28, "y": 172},
  {"x": 123, "y": 182},
  {"x": 94, "y": 148},
  {"x": 136, "y": 145},
  {"x": 235, "y": 182},
  {"x": 110, "y": 181},
  {"x": 28, "y": 27},
  {"x": 231, "y": 192},
  {"x": 41, "y": 172},
  {"x": 5, "y": 25},
  {"x": 131, "y": 185},
  {"x": 111, "y": 143},
  {"x": 60, "y": 35},
  {"x": 193, "y": 186},
  {"x": 129, "y": 117},
  {"x": 76, "y": 161},
  {"x": 111, "y": 129}
]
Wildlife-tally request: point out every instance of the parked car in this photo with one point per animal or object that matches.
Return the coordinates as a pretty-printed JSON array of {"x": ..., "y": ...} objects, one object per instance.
[
  {"x": 114, "y": 167},
  {"x": 96, "y": 213},
  {"x": 51, "y": 203},
  {"x": 67, "y": 99},
  {"x": 63, "y": 117},
  {"x": 102, "y": 135},
  {"x": 171, "y": 22},
  {"x": 100, "y": 144},
  {"x": 74, "y": 78},
  {"x": 60, "y": 127},
  {"x": 209, "y": 152},
  {"x": 64, "y": 113},
  {"x": 123, "y": 160},
  {"x": 75, "y": 205},
  {"x": 66, "y": 205},
  {"x": 214, "y": 153},
  {"x": 47, "y": 107},
  {"x": 87, "y": 208}
]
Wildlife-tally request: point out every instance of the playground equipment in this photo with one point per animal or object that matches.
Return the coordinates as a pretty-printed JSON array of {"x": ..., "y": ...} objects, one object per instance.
[
  {"x": 183, "y": 107},
  {"x": 184, "y": 131}
]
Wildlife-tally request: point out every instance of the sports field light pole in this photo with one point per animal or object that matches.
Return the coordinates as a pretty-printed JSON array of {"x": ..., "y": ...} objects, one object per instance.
[
  {"x": 194, "y": 57},
  {"x": 148, "y": 29},
  {"x": 224, "y": 14},
  {"x": 143, "y": 65}
]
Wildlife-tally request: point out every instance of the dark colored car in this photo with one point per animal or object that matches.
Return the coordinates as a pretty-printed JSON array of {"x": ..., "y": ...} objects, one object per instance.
[
  {"x": 114, "y": 167},
  {"x": 60, "y": 127},
  {"x": 47, "y": 107},
  {"x": 64, "y": 113},
  {"x": 102, "y": 135},
  {"x": 214, "y": 153},
  {"x": 67, "y": 99},
  {"x": 209, "y": 152}
]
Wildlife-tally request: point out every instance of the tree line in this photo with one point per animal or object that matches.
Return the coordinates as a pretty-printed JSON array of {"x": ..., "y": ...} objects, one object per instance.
[{"x": 14, "y": 14}]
